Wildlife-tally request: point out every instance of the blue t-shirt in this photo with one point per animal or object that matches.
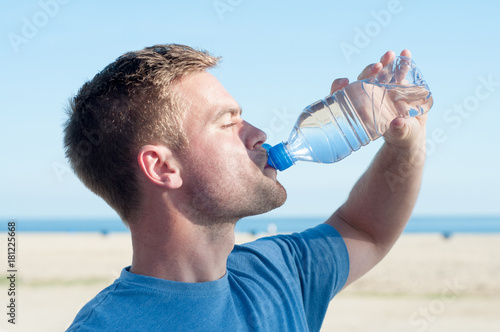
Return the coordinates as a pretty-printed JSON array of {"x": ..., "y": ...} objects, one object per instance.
[{"x": 279, "y": 283}]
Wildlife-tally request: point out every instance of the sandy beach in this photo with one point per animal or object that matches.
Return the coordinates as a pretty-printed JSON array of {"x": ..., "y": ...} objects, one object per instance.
[{"x": 426, "y": 283}]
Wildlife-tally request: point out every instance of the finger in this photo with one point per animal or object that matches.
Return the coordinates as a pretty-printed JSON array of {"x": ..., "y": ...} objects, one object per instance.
[
  {"x": 405, "y": 131},
  {"x": 406, "y": 52},
  {"x": 338, "y": 84},
  {"x": 403, "y": 66},
  {"x": 386, "y": 74},
  {"x": 375, "y": 68},
  {"x": 399, "y": 131},
  {"x": 387, "y": 58},
  {"x": 370, "y": 71},
  {"x": 397, "y": 124}
]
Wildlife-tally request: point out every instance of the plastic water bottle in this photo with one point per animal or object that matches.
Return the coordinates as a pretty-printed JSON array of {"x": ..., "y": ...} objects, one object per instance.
[{"x": 332, "y": 128}]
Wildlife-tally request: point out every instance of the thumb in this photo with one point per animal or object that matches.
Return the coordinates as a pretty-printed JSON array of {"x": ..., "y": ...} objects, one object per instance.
[
  {"x": 338, "y": 84},
  {"x": 400, "y": 131},
  {"x": 405, "y": 132}
]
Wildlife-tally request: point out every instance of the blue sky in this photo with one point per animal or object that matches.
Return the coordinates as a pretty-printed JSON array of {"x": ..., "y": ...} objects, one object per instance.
[{"x": 278, "y": 57}]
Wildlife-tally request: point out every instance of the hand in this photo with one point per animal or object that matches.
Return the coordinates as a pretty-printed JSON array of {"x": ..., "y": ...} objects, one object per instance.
[{"x": 402, "y": 132}]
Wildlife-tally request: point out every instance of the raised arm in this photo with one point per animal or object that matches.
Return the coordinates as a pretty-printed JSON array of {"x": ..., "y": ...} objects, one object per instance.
[{"x": 381, "y": 202}]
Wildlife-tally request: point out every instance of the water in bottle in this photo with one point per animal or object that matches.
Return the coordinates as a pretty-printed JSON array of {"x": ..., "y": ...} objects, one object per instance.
[{"x": 331, "y": 128}]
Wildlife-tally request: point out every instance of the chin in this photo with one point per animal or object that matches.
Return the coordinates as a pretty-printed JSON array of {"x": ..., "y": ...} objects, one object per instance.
[
  {"x": 268, "y": 200},
  {"x": 277, "y": 198}
]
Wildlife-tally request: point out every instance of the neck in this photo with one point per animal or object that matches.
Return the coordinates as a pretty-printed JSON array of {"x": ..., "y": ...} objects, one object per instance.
[{"x": 179, "y": 250}]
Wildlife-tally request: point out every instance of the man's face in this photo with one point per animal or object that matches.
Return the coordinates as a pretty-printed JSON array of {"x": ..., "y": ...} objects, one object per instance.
[{"x": 224, "y": 168}]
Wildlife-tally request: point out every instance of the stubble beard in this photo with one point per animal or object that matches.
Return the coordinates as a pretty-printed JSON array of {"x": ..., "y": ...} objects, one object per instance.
[{"x": 225, "y": 203}]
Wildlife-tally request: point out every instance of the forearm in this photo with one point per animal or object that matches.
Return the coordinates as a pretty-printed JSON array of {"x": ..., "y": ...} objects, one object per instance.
[{"x": 381, "y": 202}]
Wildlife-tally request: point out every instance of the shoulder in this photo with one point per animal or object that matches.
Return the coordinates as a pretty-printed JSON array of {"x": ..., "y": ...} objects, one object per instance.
[
  {"x": 311, "y": 238},
  {"x": 91, "y": 311},
  {"x": 115, "y": 303},
  {"x": 321, "y": 244}
]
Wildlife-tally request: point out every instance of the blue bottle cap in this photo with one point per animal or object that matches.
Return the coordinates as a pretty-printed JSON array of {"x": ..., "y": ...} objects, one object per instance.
[{"x": 278, "y": 156}]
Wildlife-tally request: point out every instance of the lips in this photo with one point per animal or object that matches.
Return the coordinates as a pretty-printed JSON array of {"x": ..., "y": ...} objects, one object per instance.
[{"x": 261, "y": 159}]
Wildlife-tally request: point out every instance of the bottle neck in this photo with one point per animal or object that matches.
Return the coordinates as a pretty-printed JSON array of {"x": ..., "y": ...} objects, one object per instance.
[{"x": 279, "y": 157}]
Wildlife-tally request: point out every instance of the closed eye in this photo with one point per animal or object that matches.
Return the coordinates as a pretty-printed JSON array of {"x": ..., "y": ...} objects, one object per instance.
[{"x": 228, "y": 125}]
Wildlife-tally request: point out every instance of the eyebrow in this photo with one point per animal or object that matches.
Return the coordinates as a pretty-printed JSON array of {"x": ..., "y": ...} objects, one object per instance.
[{"x": 232, "y": 111}]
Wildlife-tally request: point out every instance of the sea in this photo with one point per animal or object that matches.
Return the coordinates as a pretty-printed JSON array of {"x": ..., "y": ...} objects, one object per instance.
[{"x": 445, "y": 225}]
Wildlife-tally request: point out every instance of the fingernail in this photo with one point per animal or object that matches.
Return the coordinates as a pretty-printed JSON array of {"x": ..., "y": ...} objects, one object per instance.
[{"x": 399, "y": 126}]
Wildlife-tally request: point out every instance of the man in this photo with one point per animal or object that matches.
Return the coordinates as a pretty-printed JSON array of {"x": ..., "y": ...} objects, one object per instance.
[{"x": 162, "y": 141}]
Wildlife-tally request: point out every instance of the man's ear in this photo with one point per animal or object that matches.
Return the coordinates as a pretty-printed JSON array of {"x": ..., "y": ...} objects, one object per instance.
[{"x": 160, "y": 166}]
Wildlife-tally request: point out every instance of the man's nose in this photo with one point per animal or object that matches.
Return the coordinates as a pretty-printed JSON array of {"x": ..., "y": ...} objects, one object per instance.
[{"x": 252, "y": 136}]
